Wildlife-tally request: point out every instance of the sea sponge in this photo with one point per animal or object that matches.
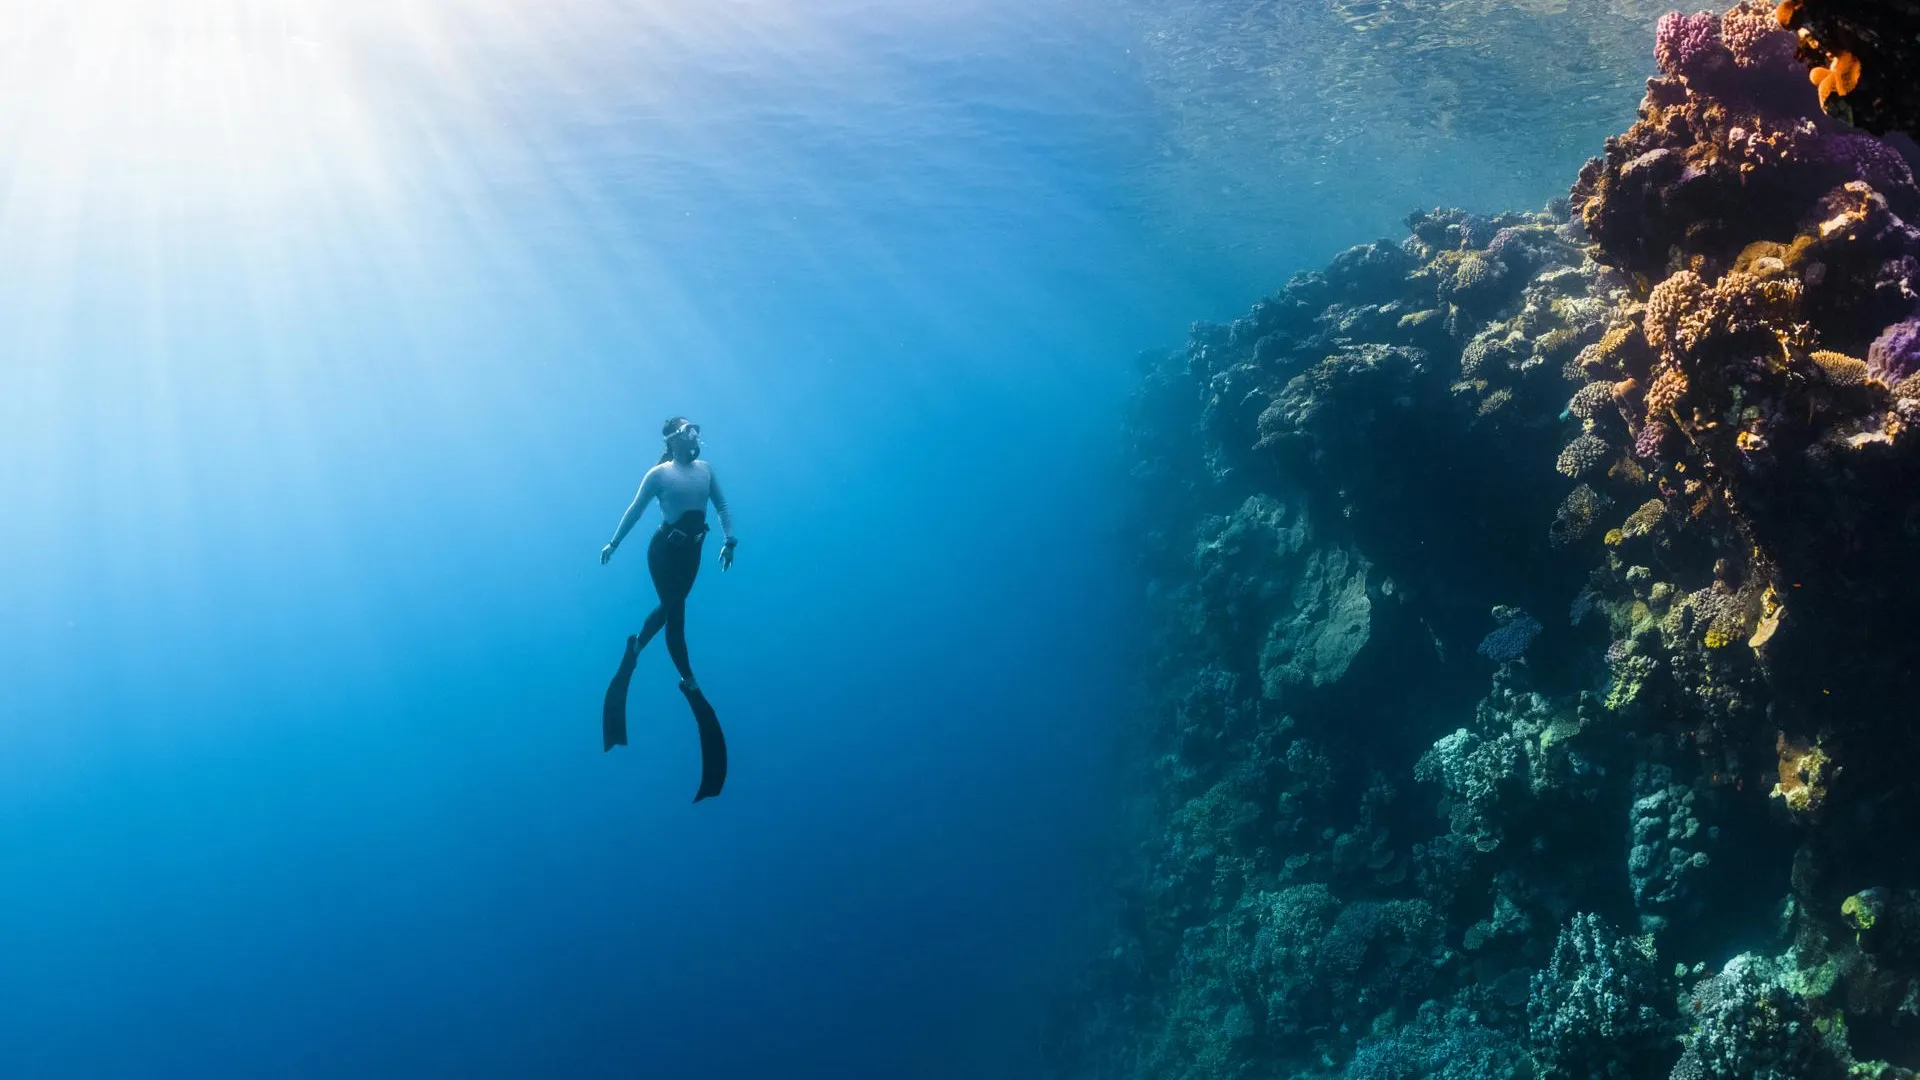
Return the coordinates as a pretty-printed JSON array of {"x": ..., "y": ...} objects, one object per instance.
[
  {"x": 1839, "y": 368},
  {"x": 1840, "y": 79},
  {"x": 1581, "y": 455}
]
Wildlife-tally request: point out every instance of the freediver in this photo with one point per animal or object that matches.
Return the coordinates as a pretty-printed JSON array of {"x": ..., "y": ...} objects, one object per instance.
[{"x": 684, "y": 484}]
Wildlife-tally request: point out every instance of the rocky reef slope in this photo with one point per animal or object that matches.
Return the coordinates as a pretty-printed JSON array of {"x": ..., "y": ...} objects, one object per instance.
[{"x": 1537, "y": 624}]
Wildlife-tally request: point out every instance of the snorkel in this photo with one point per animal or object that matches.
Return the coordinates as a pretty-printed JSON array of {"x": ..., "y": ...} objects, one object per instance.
[{"x": 687, "y": 432}]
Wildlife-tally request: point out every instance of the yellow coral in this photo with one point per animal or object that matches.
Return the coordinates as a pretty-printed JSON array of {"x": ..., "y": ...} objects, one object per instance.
[
  {"x": 1645, "y": 519},
  {"x": 1839, "y": 368},
  {"x": 1771, "y": 612},
  {"x": 1627, "y": 470},
  {"x": 1603, "y": 353},
  {"x": 1555, "y": 343},
  {"x": 1861, "y": 911}
]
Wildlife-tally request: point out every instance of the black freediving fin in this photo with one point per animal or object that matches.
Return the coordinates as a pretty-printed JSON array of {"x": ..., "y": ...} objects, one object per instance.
[
  {"x": 713, "y": 744},
  {"x": 613, "y": 715}
]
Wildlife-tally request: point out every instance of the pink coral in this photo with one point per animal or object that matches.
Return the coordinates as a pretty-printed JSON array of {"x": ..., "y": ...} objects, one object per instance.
[{"x": 1686, "y": 45}]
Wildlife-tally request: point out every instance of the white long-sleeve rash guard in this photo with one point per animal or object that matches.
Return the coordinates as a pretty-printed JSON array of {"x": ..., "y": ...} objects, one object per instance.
[{"x": 681, "y": 488}]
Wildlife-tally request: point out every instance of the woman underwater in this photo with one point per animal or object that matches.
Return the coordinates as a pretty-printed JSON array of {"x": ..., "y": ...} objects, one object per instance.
[{"x": 684, "y": 484}]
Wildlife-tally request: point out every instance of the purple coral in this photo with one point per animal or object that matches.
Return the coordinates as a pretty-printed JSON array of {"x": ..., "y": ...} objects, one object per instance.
[
  {"x": 1895, "y": 354},
  {"x": 1864, "y": 157},
  {"x": 1685, "y": 45},
  {"x": 1646, "y": 445}
]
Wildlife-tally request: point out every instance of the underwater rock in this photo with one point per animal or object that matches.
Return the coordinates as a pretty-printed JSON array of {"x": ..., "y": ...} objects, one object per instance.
[{"x": 1327, "y": 623}]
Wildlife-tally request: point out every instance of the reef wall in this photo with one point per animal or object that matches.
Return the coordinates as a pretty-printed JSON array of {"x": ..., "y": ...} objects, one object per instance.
[{"x": 1535, "y": 619}]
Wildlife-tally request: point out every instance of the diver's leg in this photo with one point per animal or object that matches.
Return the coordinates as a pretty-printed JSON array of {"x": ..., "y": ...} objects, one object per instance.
[
  {"x": 656, "y": 619},
  {"x": 674, "y": 582},
  {"x": 677, "y": 640}
]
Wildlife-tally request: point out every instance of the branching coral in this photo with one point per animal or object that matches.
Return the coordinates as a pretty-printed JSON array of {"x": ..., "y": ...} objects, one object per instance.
[{"x": 1839, "y": 368}]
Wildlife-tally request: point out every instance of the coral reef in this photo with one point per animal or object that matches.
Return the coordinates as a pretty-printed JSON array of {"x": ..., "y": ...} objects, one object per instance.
[{"x": 1674, "y": 835}]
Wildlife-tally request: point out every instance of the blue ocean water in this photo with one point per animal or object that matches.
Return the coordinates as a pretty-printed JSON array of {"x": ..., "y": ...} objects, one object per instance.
[{"x": 333, "y": 341}]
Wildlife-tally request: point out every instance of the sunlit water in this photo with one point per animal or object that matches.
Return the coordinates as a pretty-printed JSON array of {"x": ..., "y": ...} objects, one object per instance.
[{"x": 333, "y": 340}]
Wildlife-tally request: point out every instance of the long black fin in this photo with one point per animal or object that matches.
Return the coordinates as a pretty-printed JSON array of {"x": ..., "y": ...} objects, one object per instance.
[
  {"x": 713, "y": 745},
  {"x": 613, "y": 715}
]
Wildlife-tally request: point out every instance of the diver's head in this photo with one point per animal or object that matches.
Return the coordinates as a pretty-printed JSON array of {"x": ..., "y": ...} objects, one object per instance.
[{"x": 683, "y": 439}]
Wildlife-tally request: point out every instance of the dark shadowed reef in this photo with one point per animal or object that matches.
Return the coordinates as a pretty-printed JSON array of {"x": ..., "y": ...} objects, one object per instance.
[{"x": 1533, "y": 614}]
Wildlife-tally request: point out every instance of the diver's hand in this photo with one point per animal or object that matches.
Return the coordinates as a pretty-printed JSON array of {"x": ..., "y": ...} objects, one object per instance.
[
  {"x": 726, "y": 554},
  {"x": 607, "y": 552}
]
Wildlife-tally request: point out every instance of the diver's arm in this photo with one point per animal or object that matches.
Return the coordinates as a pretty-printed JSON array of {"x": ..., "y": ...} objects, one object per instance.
[
  {"x": 720, "y": 504},
  {"x": 648, "y": 487},
  {"x": 719, "y": 499}
]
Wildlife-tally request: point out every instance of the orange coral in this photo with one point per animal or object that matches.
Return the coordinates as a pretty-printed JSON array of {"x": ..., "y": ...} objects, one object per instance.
[
  {"x": 1665, "y": 393},
  {"x": 1786, "y": 11},
  {"x": 1840, "y": 79}
]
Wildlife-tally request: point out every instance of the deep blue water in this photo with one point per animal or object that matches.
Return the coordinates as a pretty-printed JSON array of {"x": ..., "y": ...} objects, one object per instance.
[{"x": 332, "y": 345}]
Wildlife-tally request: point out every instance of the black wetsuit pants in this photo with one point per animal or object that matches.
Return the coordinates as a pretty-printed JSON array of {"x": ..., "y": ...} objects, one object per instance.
[{"x": 673, "y": 558}]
